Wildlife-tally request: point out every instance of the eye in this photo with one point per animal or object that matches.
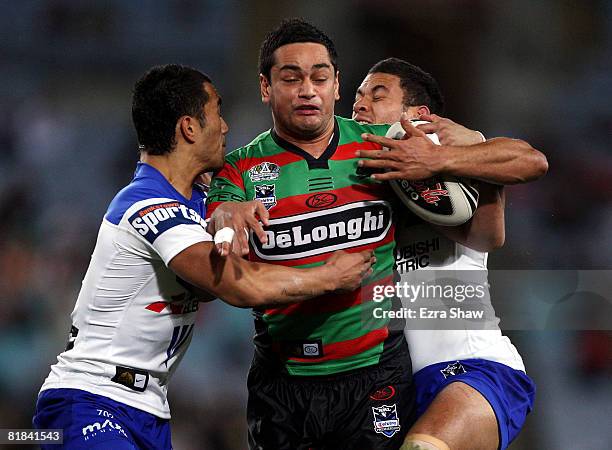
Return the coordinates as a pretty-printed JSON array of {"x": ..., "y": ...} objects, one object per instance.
[{"x": 290, "y": 80}]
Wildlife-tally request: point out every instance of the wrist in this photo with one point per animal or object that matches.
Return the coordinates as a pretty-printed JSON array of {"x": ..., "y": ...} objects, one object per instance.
[
  {"x": 445, "y": 161},
  {"x": 324, "y": 278}
]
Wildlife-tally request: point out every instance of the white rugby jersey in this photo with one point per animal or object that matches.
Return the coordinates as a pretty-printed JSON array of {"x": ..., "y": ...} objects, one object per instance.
[
  {"x": 134, "y": 318},
  {"x": 420, "y": 247}
]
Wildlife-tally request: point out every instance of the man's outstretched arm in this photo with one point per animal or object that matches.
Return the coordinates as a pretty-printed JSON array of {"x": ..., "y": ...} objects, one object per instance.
[
  {"x": 500, "y": 160},
  {"x": 247, "y": 284}
]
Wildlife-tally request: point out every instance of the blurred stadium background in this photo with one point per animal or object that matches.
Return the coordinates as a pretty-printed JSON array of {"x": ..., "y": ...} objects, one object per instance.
[{"x": 536, "y": 70}]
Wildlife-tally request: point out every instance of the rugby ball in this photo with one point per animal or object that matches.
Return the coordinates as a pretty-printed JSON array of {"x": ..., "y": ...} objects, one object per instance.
[{"x": 446, "y": 201}]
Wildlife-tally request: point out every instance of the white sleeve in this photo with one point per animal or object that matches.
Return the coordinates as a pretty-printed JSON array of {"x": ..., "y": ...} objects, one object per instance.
[{"x": 168, "y": 226}]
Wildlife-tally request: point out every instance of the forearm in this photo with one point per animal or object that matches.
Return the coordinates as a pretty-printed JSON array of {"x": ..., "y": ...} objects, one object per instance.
[
  {"x": 498, "y": 161},
  {"x": 271, "y": 285},
  {"x": 245, "y": 284}
]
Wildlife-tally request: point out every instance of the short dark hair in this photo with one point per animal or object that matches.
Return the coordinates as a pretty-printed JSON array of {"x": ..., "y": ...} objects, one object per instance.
[
  {"x": 291, "y": 31},
  {"x": 419, "y": 87},
  {"x": 161, "y": 96}
]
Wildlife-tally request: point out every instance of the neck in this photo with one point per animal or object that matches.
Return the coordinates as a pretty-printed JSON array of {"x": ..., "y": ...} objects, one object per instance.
[
  {"x": 315, "y": 146},
  {"x": 180, "y": 172}
]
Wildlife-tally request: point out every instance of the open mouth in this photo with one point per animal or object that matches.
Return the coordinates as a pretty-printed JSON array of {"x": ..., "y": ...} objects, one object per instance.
[
  {"x": 362, "y": 119},
  {"x": 307, "y": 109}
]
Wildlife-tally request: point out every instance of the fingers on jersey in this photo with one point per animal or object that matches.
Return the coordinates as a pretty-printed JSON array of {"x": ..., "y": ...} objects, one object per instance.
[
  {"x": 409, "y": 128},
  {"x": 239, "y": 216}
]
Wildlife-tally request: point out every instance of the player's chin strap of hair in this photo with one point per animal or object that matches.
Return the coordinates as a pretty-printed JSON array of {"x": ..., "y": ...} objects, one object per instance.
[{"x": 419, "y": 441}]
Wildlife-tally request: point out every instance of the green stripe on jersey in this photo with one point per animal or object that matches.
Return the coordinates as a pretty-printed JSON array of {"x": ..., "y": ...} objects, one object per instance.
[{"x": 332, "y": 327}]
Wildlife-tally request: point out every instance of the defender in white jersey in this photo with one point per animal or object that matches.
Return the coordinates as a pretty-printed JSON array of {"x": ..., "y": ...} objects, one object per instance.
[
  {"x": 472, "y": 391},
  {"x": 152, "y": 264}
]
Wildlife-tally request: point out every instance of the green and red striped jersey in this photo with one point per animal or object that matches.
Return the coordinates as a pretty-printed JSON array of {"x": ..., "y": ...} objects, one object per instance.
[{"x": 317, "y": 206}]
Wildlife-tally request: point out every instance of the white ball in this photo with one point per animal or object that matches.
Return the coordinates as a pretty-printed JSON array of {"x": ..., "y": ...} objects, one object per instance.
[{"x": 447, "y": 201}]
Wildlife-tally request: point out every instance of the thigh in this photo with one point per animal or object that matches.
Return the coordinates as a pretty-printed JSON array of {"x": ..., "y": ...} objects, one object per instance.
[
  {"x": 378, "y": 415},
  {"x": 94, "y": 421},
  {"x": 461, "y": 417},
  {"x": 85, "y": 424},
  {"x": 275, "y": 413}
]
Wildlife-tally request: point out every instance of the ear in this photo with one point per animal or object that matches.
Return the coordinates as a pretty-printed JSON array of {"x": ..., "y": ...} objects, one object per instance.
[
  {"x": 422, "y": 110},
  {"x": 264, "y": 87},
  {"x": 337, "y": 86},
  {"x": 186, "y": 126}
]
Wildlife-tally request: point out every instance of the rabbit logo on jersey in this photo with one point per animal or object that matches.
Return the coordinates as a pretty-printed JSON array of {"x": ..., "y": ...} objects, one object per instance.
[{"x": 153, "y": 220}]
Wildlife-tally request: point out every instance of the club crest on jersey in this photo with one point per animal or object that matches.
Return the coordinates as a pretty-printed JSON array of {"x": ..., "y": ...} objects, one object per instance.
[
  {"x": 265, "y": 171},
  {"x": 386, "y": 421},
  {"x": 324, "y": 231},
  {"x": 265, "y": 193},
  {"x": 453, "y": 369}
]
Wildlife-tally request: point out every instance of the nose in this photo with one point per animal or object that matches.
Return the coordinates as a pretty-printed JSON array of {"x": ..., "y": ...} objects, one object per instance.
[
  {"x": 307, "y": 89},
  {"x": 360, "y": 105},
  {"x": 224, "y": 127}
]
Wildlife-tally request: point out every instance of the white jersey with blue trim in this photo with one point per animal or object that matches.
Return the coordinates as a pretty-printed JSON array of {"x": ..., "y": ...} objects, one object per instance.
[
  {"x": 420, "y": 247},
  {"x": 134, "y": 318}
]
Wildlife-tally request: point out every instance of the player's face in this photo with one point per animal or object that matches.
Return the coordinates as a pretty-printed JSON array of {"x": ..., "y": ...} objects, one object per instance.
[
  {"x": 214, "y": 131},
  {"x": 380, "y": 99},
  {"x": 302, "y": 90}
]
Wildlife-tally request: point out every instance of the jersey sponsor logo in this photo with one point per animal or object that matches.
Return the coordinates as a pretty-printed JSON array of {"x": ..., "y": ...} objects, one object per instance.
[
  {"x": 91, "y": 430},
  {"x": 153, "y": 220},
  {"x": 383, "y": 394},
  {"x": 319, "y": 232},
  {"x": 265, "y": 171},
  {"x": 386, "y": 421},
  {"x": 265, "y": 193},
  {"x": 321, "y": 200},
  {"x": 453, "y": 369},
  {"x": 415, "y": 255}
]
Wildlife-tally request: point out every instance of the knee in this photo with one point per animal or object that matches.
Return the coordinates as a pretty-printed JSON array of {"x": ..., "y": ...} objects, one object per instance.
[{"x": 423, "y": 442}]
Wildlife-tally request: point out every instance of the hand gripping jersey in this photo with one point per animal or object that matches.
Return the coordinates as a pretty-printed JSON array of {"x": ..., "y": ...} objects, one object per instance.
[
  {"x": 317, "y": 206},
  {"x": 133, "y": 318},
  {"x": 421, "y": 247}
]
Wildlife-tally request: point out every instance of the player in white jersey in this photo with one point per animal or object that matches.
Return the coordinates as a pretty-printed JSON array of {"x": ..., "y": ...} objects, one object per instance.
[
  {"x": 472, "y": 391},
  {"x": 153, "y": 262}
]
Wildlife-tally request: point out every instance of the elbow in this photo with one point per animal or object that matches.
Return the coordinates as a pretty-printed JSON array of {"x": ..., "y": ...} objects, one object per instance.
[
  {"x": 541, "y": 164},
  {"x": 536, "y": 163},
  {"x": 245, "y": 299}
]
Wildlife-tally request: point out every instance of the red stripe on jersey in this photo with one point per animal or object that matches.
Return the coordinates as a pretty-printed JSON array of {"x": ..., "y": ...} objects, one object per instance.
[
  {"x": 292, "y": 205},
  {"x": 157, "y": 306},
  {"x": 332, "y": 302},
  {"x": 344, "y": 349},
  {"x": 230, "y": 173},
  {"x": 347, "y": 151}
]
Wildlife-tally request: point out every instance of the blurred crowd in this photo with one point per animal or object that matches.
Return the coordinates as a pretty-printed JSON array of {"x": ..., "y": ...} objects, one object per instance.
[{"x": 541, "y": 71}]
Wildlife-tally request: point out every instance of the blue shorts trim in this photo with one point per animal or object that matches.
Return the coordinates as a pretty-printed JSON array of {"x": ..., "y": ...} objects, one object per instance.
[
  {"x": 510, "y": 392},
  {"x": 93, "y": 421}
]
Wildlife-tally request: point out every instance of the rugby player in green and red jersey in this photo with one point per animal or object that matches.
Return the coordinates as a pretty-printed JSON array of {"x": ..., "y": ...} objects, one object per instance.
[
  {"x": 319, "y": 370},
  {"x": 325, "y": 374}
]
